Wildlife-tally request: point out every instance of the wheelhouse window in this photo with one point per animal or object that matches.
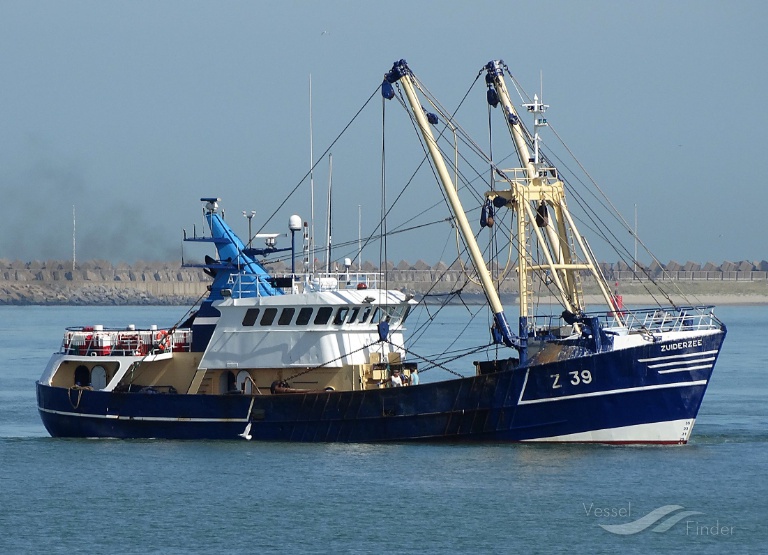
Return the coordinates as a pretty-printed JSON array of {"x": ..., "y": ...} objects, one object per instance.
[
  {"x": 341, "y": 315},
  {"x": 269, "y": 316},
  {"x": 250, "y": 316},
  {"x": 286, "y": 316},
  {"x": 353, "y": 316},
  {"x": 366, "y": 313},
  {"x": 304, "y": 315},
  {"x": 375, "y": 317},
  {"x": 398, "y": 314},
  {"x": 406, "y": 313},
  {"x": 323, "y": 315}
]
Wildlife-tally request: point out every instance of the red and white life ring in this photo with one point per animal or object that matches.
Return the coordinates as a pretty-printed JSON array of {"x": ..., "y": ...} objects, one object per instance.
[{"x": 163, "y": 340}]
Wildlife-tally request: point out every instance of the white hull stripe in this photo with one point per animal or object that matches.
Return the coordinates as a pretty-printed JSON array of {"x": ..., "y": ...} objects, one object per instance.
[
  {"x": 613, "y": 392},
  {"x": 685, "y": 369},
  {"x": 679, "y": 362},
  {"x": 142, "y": 418},
  {"x": 672, "y": 431},
  {"x": 673, "y": 357}
]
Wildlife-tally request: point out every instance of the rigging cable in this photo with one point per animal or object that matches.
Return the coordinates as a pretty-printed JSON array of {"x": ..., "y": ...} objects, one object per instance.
[
  {"x": 601, "y": 229},
  {"x": 434, "y": 363},
  {"x": 136, "y": 365},
  {"x": 326, "y": 363},
  {"x": 327, "y": 150}
]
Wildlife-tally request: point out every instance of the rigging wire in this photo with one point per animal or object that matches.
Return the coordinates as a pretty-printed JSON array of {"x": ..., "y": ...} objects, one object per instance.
[
  {"x": 436, "y": 364},
  {"x": 619, "y": 218},
  {"x": 600, "y": 228},
  {"x": 136, "y": 365},
  {"x": 326, "y": 363},
  {"x": 383, "y": 222},
  {"x": 322, "y": 156}
]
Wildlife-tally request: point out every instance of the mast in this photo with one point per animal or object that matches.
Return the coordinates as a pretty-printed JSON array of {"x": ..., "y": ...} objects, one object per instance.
[
  {"x": 534, "y": 190},
  {"x": 402, "y": 74},
  {"x": 74, "y": 238},
  {"x": 311, "y": 182},
  {"x": 359, "y": 237},
  {"x": 330, "y": 214}
]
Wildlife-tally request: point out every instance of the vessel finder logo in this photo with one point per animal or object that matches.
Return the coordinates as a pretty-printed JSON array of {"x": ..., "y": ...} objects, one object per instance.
[
  {"x": 658, "y": 520},
  {"x": 663, "y": 518}
]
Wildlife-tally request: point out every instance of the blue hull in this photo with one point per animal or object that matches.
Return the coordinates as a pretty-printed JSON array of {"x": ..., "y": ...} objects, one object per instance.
[{"x": 611, "y": 390}]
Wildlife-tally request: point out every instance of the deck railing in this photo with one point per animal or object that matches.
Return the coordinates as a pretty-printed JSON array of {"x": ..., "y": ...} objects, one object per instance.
[
  {"x": 241, "y": 285},
  {"x": 688, "y": 318},
  {"x": 100, "y": 341}
]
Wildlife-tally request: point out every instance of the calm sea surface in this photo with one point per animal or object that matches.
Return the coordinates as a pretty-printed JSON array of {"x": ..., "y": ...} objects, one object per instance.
[{"x": 100, "y": 496}]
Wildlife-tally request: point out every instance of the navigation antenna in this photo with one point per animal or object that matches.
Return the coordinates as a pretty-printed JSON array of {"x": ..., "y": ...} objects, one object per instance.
[
  {"x": 74, "y": 222},
  {"x": 330, "y": 215},
  {"x": 311, "y": 182},
  {"x": 537, "y": 108}
]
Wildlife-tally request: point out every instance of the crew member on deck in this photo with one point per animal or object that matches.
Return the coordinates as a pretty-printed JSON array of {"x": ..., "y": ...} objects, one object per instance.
[{"x": 395, "y": 380}]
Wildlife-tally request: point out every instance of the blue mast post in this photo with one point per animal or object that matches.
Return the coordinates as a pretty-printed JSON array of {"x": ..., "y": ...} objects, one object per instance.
[
  {"x": 232, "y": 261},
  {"x": 234, "y": 258},
  {"x": 522, "y": 348},
  {"x": 502, "y": 325},
  {"x": 232, "y": 249}
]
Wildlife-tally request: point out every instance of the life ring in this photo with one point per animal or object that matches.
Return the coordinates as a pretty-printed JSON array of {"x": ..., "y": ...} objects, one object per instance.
[{"x": 163, "y": 340}]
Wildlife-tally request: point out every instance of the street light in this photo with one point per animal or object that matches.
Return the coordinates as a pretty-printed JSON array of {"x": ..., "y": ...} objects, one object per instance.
[{"x": 250, "y": 217}]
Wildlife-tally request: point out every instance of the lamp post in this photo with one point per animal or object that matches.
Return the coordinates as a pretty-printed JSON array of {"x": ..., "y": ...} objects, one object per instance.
[{"x": 250, "y": 217}]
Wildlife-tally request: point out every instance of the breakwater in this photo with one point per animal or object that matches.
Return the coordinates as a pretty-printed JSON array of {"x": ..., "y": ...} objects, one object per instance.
[
  {"x": 158, "y": 283},
  {"x": 94, "y": 283}
]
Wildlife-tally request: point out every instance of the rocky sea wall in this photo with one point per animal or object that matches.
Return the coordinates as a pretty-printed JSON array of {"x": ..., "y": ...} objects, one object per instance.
[{"x": 156, "y": 283}]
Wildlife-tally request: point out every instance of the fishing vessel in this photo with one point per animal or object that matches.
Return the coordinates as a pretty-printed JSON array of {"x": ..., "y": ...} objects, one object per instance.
[{"x": 318, "y": 357}]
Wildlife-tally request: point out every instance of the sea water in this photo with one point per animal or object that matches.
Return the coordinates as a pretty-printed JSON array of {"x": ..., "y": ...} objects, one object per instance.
[{"x": 151, "y": 496}]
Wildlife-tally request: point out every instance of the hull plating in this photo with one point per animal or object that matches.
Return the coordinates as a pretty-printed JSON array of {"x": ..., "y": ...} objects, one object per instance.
[{"x": 639, "y": 395}]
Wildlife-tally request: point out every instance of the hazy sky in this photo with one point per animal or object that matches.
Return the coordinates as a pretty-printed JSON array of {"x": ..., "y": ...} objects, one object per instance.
[{"x": 131, "y": 111}]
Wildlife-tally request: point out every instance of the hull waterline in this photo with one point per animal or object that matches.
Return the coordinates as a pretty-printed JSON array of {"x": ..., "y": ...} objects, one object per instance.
[{"x": 625, "y": 402}]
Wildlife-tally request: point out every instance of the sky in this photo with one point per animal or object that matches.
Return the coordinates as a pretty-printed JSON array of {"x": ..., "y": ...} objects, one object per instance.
[{"x": 130, "y": 112}]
